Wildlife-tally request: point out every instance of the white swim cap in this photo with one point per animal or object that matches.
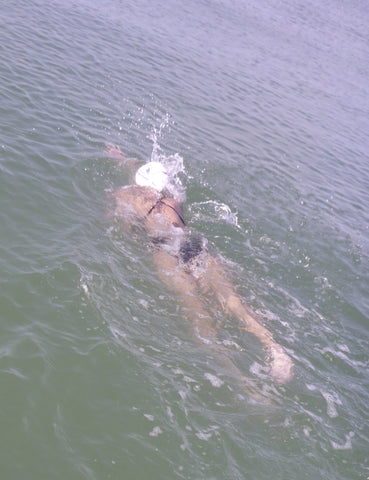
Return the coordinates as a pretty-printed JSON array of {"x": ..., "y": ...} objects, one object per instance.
[{"x": 152, "y": 174}]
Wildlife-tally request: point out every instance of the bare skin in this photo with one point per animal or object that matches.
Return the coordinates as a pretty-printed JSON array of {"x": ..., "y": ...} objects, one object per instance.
[{"x": 163, "y": 218}]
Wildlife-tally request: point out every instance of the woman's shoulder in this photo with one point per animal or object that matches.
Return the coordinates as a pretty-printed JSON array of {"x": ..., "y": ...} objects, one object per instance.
[
  {"x": 141, "y": 199},
  {"x": 172, "y": 202},
  {"x": 138, "y": 192}
]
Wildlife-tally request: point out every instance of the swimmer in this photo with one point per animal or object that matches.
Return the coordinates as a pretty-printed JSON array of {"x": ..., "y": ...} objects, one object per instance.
[{"x": 184, "y": 262}]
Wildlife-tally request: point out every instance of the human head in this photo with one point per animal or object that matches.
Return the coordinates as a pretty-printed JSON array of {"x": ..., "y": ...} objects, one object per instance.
[{"x": 152, "y": 174}]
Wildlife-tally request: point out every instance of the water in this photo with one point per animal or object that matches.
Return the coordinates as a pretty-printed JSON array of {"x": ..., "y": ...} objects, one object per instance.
[{"x": 261, "y": 108}]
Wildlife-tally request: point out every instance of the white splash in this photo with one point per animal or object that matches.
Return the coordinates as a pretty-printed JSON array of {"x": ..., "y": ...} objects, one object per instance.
[
  {"x": 332, "y": 399},
  {"x": 218, "y": 210},
  {"x": 208, "y": 433},
  {"x": 203, "y": 435},
  {"x": 155, "y": 432},
  {"x": 85, "y": 289},
  {"x": 173, "y": 163},
  {"x": 215, "y": 381},
  {"x": 347, "y": 445},
  {"x": 170, "y": 413}
]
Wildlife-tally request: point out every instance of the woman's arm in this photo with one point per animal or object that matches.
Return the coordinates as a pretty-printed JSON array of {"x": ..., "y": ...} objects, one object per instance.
[{"x": 115, "y": 152}]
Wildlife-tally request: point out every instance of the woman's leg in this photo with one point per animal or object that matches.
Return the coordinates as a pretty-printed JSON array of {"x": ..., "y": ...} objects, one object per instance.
[
  {"x": 187, "y": 289},
  {"x": 185, "y": 286},
  {"x": 216, "y": 278}
]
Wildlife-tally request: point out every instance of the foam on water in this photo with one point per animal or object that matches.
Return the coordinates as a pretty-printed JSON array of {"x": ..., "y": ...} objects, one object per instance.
[
  {"x": 214, "y": 380},
  {"x": 332, "y": 400},
  {"x": 345, "y": 446}
]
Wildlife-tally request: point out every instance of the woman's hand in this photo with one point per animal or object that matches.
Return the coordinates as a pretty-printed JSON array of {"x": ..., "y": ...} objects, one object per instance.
[
  {"x": 281, "y": 364},
  {"x": 114, "y": 151}
]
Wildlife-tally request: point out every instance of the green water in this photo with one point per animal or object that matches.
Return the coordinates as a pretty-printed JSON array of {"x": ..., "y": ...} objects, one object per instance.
[{"x": 262, "y": 110}]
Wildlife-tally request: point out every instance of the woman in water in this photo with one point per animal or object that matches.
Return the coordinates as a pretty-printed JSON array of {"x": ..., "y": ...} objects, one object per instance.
[{"x": 183, "y": 261}]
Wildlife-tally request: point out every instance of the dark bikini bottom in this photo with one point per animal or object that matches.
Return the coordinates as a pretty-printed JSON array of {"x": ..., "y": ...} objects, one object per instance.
[{"x": 190, "y": 248}]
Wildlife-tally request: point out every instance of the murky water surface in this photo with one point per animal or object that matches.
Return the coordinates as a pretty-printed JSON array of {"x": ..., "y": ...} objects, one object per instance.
[{"x": 261, "y": 110}]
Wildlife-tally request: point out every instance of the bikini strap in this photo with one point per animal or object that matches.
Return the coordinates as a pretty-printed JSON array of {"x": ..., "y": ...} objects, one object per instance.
[
  {"x": 155, "y": 205},
  {"x": 174, "y": 209},
  {"x": 161, "y": 200}
]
